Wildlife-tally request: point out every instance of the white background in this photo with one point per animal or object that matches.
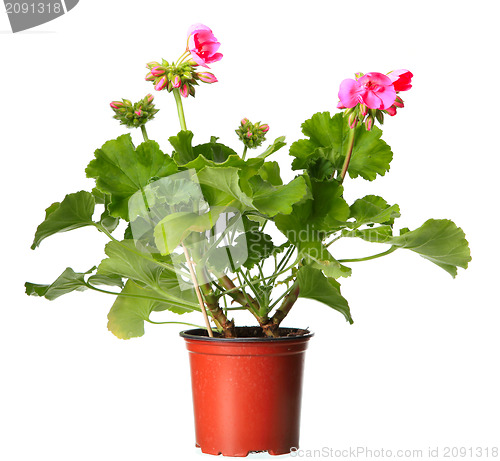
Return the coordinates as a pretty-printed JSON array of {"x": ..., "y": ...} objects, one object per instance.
[{"x": 420, "y": 366}]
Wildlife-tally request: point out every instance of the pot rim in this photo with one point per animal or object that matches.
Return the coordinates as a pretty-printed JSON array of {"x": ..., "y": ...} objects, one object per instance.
[{"x": 193, "y": 335}]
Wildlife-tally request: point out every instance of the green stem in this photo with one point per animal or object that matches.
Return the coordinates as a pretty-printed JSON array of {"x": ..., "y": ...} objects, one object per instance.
[
  {"x": 179, "y": 323},
  {"x": 244, "y": 153},
  {"x": 128, "y": 295},
  {"x": 280, "y": 298},
  {"x": 144, "y": 133},
  {"x": 285, "y": 307},
  {"x": 180, "y": 108},
  {"x": 235, "y": 288},
  {"x": 367, "y": 258},
  {"x": 350, "y": 146}
]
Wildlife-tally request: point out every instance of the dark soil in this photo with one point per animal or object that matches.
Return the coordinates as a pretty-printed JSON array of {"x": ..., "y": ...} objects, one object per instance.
[{"x": 257, "y": 332}]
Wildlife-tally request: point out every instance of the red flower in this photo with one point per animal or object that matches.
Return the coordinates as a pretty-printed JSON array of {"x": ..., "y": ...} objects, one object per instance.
[
  {"x": 401, "y": 79},
  {"x": 203, "y": 45}
]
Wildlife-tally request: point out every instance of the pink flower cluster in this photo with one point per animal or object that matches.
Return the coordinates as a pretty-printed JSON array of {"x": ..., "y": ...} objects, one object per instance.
[{"x": 375, "y": 90}]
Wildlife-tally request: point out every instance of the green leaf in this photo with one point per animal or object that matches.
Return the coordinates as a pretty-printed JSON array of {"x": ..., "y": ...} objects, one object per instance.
[
  {"x": 214, "y": 151},
  {"x": 182, "y": 144},
  {"x": 121, "y": 170},
  {"x": 274, "y": 147},
  {"x": 271, "y": 200},
  {"x": 270, "y": 172},
  {"x": 224, "y": 184},
  {"x": 373, "y": 209},
  {"x": 127, "y": 261},
  {"x": 73, "y": 212},
  {"x": 325, "y": 150},
  {"x": 67, "y": 282},
  {"x": 174, "y": 228},
  {"x": 314, "y": 285},
  {"x": 131, "y": 309},
  {"x": 260, "y": 246},
  {"x": 128, "y": 314},
  {"x": 317, "y": 255},
  {"x": 108, "y": 280},
  {"x": 314, "y": 219},
  {"x": 438, "y": 240}
]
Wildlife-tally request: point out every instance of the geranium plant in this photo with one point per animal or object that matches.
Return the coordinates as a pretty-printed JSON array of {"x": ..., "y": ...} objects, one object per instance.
[{"x": 199, "y": 218}]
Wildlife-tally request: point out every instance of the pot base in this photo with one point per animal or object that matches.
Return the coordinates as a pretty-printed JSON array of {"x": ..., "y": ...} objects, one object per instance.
[{"x": 242, "y": 454}]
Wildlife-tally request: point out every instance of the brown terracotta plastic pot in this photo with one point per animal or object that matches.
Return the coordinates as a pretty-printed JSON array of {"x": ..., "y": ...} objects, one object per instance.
[{"x": 246, "y": 392}]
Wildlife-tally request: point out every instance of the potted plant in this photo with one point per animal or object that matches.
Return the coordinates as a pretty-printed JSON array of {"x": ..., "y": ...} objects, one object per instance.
[{"x": 208, "y": 231}]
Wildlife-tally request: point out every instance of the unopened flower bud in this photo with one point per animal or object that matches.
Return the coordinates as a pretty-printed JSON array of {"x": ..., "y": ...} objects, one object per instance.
[
  {"x": 363, "y": 110},
  {"x": 176, "y": 82},
  {"x": 352, "y": 121},
  {"x": 138, "y": 113},
  {"x": 150, "y": 98},
  {"x": 207, "y": 77},
  {"x": 184, "y": 90},
  {"x": 391, "y": 111},
  {"x": 116, "y": 104},
  {"x": 162, "y": 83},
  {"x": 399, "y": 102},
  {"x": 380, "y": 117},
  {"x": 369, "y": 122},
  {"x": 152, "y": 64},
  {"x": 158, "y": 71},
  {"x": 150, "y": 77},
  {"x": 252, "y": 134}
]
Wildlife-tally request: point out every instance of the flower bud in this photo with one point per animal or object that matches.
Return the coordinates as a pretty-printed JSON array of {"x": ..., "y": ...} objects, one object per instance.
[
  {"x": 391, "y": 110},
  {"x": 252, "y": 134},
  {"x": 150, "y": 77},
  {"x": 352, "y": 121},
  {"x": 369, "y": 123},
  {"x": 184, "y": 90},
  {"x": 380, "y": 117},
  {"x": 161, "y": 84},
  {"x": 363, "y": 110},
  {"x": 207, "y": 77},
  {"x": 152, "y": 64},
  {"x": 157, "y": 71},
  {"x": 176, "y": 82},
  {"x": 134, "y": 115},
  {"x": 399, "y": 102}
]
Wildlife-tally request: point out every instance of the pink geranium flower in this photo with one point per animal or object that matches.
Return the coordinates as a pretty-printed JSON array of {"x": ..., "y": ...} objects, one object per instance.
[
  {"x": 374, "y": 89},
  {"x": 401, "y": 79},
  {"x": 202, "y": 45}
]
